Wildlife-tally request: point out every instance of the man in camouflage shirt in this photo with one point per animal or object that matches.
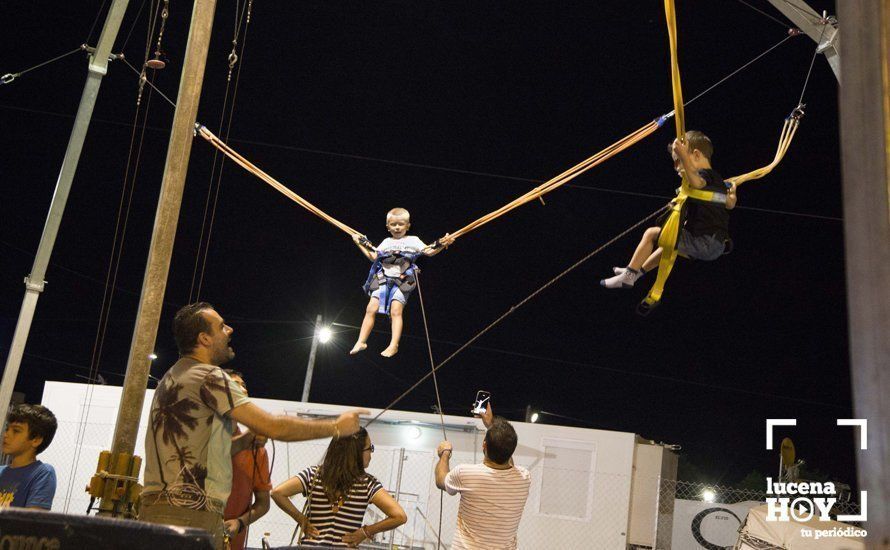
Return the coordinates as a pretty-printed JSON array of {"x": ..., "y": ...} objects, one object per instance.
[{"x": 188, "y": 465}]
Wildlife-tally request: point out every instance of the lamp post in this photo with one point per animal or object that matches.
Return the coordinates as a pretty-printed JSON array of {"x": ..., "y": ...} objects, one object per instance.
[
  {"x": 320, "y": 334},
  {"x": 532, "y": 415}
]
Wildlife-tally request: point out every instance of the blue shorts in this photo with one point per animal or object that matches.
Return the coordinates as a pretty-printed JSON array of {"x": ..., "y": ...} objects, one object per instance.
[
  {"x": 397, "y": 296},
  {"x": 700, "y": 247}
]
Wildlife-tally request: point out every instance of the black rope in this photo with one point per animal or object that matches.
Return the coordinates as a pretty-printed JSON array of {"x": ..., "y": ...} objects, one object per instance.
[
  {"x": 758, "y": 10},
  {"x": 429, "y": 348},
  {"x": 9, "y": 77},
  {"x": 812, "y": 62},
  {"x": 214, "y": 189},
  {"x": 149, "y": 82},
  {"x": 815, "y": 19},
  {"x": 133, "y": 26},
  {"x": 96, "y": 20},
  {"x": 521, "y": 303},
  {"x": 120, "y": 232},
  {"x": 740, "y": 69}
]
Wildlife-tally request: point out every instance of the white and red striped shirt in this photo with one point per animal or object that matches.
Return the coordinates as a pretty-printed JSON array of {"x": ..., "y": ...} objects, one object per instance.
[{"x": 491, "y": 504}]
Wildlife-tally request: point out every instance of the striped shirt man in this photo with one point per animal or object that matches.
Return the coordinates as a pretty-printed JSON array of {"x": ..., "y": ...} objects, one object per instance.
[
  {"x": 331, "y": 520},
  {"x": 491, "y": 505}
]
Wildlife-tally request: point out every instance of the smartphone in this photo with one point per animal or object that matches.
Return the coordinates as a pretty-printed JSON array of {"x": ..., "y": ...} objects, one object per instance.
[{"x": 482, "y": 398}]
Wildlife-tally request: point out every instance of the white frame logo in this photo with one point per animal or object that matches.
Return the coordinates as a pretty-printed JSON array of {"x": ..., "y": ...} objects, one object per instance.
[{"x": 785, "y": 508}]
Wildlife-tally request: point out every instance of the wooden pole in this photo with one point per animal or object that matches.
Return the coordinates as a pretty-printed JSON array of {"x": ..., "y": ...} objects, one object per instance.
[
  {"x": 155, "y": 281},
  {"x": 865, "y": 148}
]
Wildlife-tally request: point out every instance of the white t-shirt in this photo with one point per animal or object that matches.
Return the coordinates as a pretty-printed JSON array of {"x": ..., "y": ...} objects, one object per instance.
[
  {"x": 491, "y": 505},
  {"x": 407, "y": 244}
]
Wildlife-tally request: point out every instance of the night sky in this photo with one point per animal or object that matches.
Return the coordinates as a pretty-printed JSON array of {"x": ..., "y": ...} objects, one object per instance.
[{"x": 452, "y": 109}]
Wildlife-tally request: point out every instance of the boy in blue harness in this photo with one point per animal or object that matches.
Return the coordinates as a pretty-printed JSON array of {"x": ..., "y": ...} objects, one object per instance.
[
  {"x": 392, "y": 278},
  {"x": 705, "y": 232}
]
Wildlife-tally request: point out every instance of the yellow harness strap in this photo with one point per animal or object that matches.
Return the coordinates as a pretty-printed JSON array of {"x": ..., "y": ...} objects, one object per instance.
[
  {"x": 670, "y": 231},
  {"x": 667, "y": 240},
  {"x": 789, "y": 128}
]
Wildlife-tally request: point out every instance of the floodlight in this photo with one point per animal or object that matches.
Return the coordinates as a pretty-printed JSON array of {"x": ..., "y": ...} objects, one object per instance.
[
  {"x": 534, "y": 417},
  {"x": 325, "y": 334},
  {"x": 708, "y": 495}
]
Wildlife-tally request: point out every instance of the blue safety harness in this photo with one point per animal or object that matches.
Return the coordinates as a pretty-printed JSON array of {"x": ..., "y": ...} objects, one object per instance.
[{"x": 377, "y": 278}]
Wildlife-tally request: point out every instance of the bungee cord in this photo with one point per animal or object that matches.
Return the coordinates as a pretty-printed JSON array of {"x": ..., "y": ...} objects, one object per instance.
[
  {"x": 534, "y": 194},
  {"x": 567, "y": 176},
  {"x": 275, "y": 184}
]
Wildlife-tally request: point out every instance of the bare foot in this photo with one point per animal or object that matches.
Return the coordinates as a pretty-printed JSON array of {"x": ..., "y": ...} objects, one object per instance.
[
  {"x": 359, "y": 346},
  {"x": 390, "y": 351}
]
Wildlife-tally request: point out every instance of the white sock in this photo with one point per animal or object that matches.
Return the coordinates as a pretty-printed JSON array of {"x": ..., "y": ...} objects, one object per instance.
[{"x": 624, "y": 280}]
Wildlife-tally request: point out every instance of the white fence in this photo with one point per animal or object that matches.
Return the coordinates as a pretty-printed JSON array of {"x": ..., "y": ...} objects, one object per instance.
[{"x": 581, "y": 479}]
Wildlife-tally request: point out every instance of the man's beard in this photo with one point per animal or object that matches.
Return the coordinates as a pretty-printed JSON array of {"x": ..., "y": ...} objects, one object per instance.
[{"x": 223, "y": 356}]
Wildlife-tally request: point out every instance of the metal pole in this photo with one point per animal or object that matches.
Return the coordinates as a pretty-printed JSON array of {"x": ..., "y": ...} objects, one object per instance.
[
  {"x": 311, "y": 366},
  {"x": 34, "y": 283},
  {"x": 865, "y": 149},
  {"x": 155, "y": 281},
  {"x": 402, "y": 459},
  {"x": 824, "y": 33}
]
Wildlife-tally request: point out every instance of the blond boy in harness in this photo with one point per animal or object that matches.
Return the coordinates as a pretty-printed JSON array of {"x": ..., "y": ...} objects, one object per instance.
[{"x": 391, "y": 283}]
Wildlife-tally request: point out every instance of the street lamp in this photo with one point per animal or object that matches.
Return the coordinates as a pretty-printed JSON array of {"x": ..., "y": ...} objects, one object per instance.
[
  {"x": 321, "y": 334},
  {"x": 324, "y": 334},
  {"x": 533, "y": 415}
]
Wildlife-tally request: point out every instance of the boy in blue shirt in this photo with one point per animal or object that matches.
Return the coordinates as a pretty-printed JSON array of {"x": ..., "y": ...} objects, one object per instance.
[{"x": 26, "y": 482}]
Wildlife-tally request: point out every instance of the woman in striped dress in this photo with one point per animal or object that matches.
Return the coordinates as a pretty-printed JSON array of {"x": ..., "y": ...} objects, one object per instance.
[{"x": 339, "y": 491}]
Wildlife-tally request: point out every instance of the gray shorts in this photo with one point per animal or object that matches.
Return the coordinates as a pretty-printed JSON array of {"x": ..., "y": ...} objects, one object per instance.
[
  {"x": 397, "y": 296},
  {"x": 700, "y": 247}
]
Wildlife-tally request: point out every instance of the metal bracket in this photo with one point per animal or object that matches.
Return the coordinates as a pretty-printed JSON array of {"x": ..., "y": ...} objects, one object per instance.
[
  {"x": 34, "y": 287},
  {"x": 828, "y": 42},
  {"x": 116, "y": 482}
]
